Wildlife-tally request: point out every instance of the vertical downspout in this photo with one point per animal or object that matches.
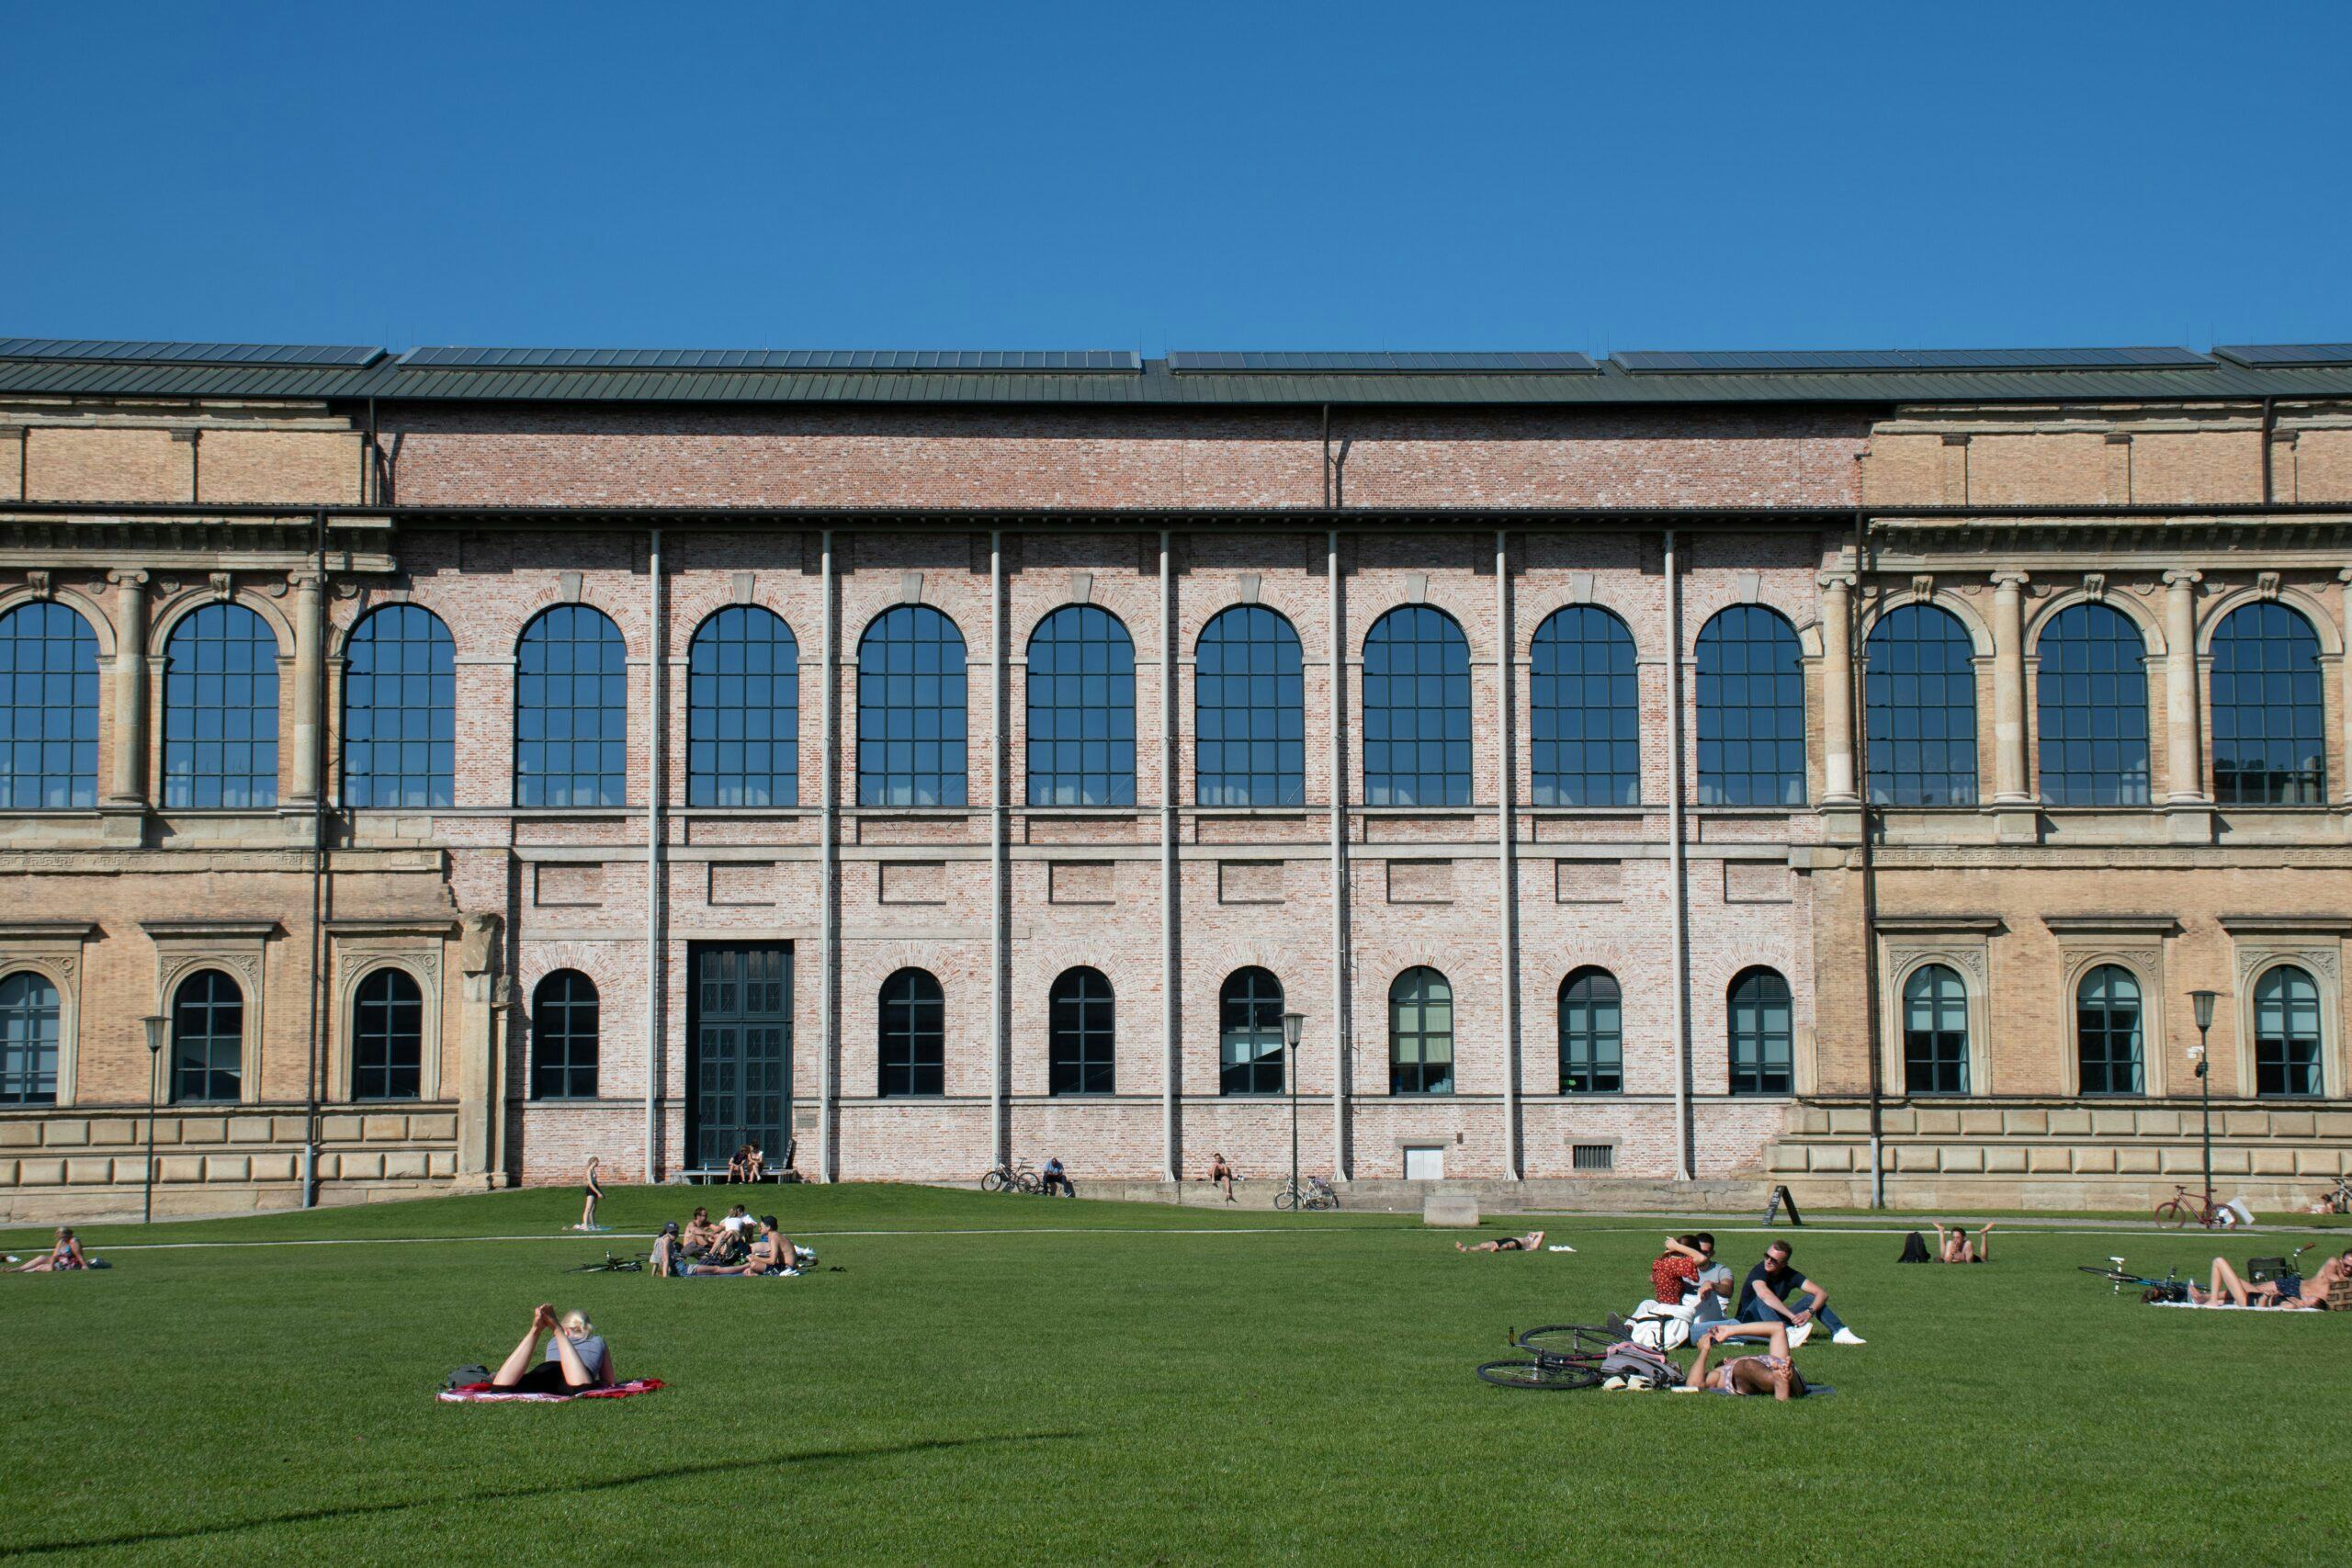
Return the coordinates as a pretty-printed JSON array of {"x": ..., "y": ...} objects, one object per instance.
[
  {"x": 1856, "y": 694},
  {"x": 2269, "y": 427},
  {"x": 1678, "y": 903},
  {"x": 656, "y": 723},
  {"x": 1339, "y": 1031},
  {"x": 999, "y": 987},
  {"x": 829, "y": 936},
  {"x": 1506, "y": 789},
  {"x": 1170, "y": 1050},
  {"x": 318, "y": 878}
]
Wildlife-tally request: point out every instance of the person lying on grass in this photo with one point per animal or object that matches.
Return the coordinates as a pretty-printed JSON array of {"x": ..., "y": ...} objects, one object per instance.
[
  {"x": 1771, "y": 1372},
  {"x": 772, "y": 1254},
  {"x": 1953, "y": 1246},
  {"x": 577, "y": 1356},
  {"x": 1527, "y": 1243},
  {"x": 2292, "y": 1292},
  {"x": 65, "y": 1253}
]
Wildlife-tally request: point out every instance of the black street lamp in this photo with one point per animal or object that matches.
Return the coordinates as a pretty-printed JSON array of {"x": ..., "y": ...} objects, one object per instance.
[
  {"x": 155, "y": 1023},
  {"x": 1294, "y": 1025},
  {"x": 2203, "y": 1002}
]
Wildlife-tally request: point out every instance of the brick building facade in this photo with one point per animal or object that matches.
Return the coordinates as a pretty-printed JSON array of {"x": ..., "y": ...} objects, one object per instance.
[{"x": 1549, "y": 818}]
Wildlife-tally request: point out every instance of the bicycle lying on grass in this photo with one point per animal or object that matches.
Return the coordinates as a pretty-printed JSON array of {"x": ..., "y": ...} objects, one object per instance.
[
  {"x": 1567, "y": 1355},
  {"x": 611, "y": 1265},
  {"x": 1318, "y": 1195},
  {"x": 1012, "y": 1179},
  {"x": 2171, "y": 1287}
]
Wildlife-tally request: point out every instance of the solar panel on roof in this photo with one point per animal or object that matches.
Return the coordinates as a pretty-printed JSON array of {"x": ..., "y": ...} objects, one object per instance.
[
  {"x": 1772, "y": 362},
  {"x": 108, "y": 350},
  {"x": 832, "y": 361},
  {"x": 1199, "y": 363},
  {"x": 2286, "y": 356}
]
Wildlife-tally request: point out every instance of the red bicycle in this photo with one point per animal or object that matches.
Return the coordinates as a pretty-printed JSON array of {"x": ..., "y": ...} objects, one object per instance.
[{"x": 2183, "y": 1206}]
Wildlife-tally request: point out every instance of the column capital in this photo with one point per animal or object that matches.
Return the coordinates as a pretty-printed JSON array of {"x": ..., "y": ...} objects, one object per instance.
[
  {"x": 2011, "y": 581},
  {"x": 308, "y": 579},
  {"x": 2183, "y": 578},
  {"x": 1837, "y": 581},
  {"x": 128, "y": 578},
  {"x": 2345, "y": 575}
]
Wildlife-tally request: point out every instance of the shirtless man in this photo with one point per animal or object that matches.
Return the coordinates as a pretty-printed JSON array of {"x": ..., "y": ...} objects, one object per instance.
[
  {"x": 1953, "y": 1246},
  {"x": 1527, "y": 1243},
  {"x": 699, "y": 1235},
  {"x": 772, "y": 1254},
  {"x": 1221, "y": 1174},
  {"x": 2309, "y": 1295}
]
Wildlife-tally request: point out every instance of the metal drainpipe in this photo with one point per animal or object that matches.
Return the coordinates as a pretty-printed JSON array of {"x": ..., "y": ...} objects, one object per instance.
[
  {"x": 1859, "y": 698},
  {"x": 830, "y": 935},
  {"x": 2269, "y": 427},
  {"x": 654, "y": 734},
  {"x": 1168, "y": 977},
  {"x": 999, "y": 1120},
  {"x": 318, "y": 878},
  {"x": 1506, "y": 760},
  {"x": 1338, "y": 705},
  {"x": 1679, "y": 902}
]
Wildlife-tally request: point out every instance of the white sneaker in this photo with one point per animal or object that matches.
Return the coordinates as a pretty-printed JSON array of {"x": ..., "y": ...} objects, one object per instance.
[
  {"x": 1799, "y": 1335},
  {"x": 1613, "y": 1385},
  {"x": 1847, "y": 1337}
]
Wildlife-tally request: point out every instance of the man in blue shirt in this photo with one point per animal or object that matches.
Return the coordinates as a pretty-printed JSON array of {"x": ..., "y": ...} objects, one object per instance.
[
  {"x": 1056, "y": 1177},
  {"x": 1775, "y": 1291}
]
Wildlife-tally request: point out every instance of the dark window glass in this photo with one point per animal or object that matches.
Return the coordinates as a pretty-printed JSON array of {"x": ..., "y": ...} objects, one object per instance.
[
  {"x": 739, "y": 1050},
  {"x": 2269, "y": 721},
  {"x": 1585, "y": 717},
  {"x": 1761, "y": 1031},
  {"x": 1592, "y": 1041},
  {"x": 1250, "y": 711},
  {"x": 2286, "y": 1032},
  {"x": 1420, "y": 1033},
  {"x": 1249, "y": 1012},
  {"x": 2091, "y": 707},
  {"x": 1935, "y": 1031},
  {"x": 2106, "y": 1030},
  {"x": 914, "y": 1025},
  {"x": 744, "y": 711},
  {"x": 388, "y": 1038},
  {"x": 1083, "y": 1039},
  {"x": 220, "y": 711},
  {"x": 910, "y": 710},
  {"x": 1921, "y": 689},
  {"x": 564, "y": 1037},
  {"x": 29, "y": 1036},
  {"x": 400, "y": 710},
  {"x": 1751, "y": 710},
  {"x": 1416, "y": 710},
  {"x": 49, "y": 709},
  {"x": 208, "y": 1038},
  {"x": 1081, "y": 710},
  {"x": 571, "y": 710}
]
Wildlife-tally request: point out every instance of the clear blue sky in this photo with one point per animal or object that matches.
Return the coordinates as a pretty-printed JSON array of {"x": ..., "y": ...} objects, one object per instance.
[{"x": 1264, "y": 176}]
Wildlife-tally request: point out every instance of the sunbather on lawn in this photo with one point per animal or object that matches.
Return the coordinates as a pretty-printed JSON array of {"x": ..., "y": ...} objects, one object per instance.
[{"x": 577, "y": 1357}]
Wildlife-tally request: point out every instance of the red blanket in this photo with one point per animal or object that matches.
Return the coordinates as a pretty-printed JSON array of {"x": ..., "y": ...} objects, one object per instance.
[{"x": 482, "y": 1394}]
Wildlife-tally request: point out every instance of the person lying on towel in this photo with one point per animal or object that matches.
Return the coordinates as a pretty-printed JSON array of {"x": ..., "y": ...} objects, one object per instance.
[
  {"x": 577, "y": 1357},
  {"x": 2292, "y": 1292}
]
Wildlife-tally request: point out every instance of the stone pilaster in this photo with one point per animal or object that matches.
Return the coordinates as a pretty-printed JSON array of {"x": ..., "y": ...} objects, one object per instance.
[
  {"x": 309, "y": 665},
  {"x": 126, "y": 787},
  {"x": 2011, "y": 772},
  {"x": 1838, "y": 690},
  {"x": 2186, "y": 796}
]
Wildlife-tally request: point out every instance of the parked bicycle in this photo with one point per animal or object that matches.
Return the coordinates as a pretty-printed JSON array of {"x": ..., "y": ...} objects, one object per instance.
[
  {"x": 1319, "y": 1194},
  {"x": 2183, "y": 1206},
  {"x": 1566, "y": 1354},
  {"x": 1019, "y": 1177},
  {"x": 2339, "y": 1200},
  {"x": 2171, "y": 1287}
]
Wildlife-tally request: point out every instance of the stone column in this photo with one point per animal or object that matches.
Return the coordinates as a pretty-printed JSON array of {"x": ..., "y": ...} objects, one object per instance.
[
  {"x": 2010, "y": 771},
  {"x": 1837, "y": 689},
  {"x": 482, "y": 1079},
  {"x": 127, "y": 789},
  {"x": 2345, "y": 577},
  {"x": 2183, "y": 766},
  {"x": 310, "y": 664}
]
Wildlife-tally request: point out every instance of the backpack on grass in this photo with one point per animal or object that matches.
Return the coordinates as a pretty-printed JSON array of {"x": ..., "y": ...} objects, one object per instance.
[
  {"x": 465, "y": 1377},
  {"x": 1914, "y": 1250},
  {"x": 1627, "y": 1360}
]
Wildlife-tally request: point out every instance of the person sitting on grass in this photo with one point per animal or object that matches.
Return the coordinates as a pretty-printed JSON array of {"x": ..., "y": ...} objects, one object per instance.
[
  {"x": 1716, "y": 1287},
  {"x": 700, "y": 1236},
  {"x": 1775, "y": 1291},
  {"x": 594, "y": 1192},
  {"x": 1527, "y": 1243},
  {"x": 1771, "y": 1372},
  {"x": 1953, "y": 1246},
  {"x": 64, "y": 1254},
  {"x": 772, "y": 1254},
  {"x": 1054, "y": 1176},
  {"x": 1675, "y": 1271},
  {"x": 1221, "y": 1175},
  {"x": 669, "y": 1253},
  {"x": 577, "y": 1357}
]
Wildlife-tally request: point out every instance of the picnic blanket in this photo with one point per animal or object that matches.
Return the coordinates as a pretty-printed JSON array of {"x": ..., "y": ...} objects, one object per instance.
[
  {"x": 482, "y": 1394},
  {"x": 2232, "y": 1307}
]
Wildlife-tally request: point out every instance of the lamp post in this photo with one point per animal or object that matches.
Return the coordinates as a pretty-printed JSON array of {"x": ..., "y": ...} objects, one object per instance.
[
  {"x": 1294, "y": 1025},
  {"x": 155, "y": 1023},
  {"x": 2203, "y": 1002}
]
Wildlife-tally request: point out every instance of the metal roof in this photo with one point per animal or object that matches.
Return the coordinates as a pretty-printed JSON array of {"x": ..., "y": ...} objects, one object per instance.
[
  {"x": 2276, "y": 355},
  {"x": 114, "y": 351},
  {"x": 1781, "y": 360}
]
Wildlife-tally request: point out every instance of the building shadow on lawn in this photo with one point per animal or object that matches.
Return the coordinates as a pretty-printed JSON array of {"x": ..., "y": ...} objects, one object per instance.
[{"x": 512, "y": 1494}]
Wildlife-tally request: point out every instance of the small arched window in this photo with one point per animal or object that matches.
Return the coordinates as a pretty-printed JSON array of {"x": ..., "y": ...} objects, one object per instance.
[
  {"x": 1415, "y": 709},
  {"x": 1250, "y": 1014},
  {"x": 1084, "y": 1035},
  {"x": 1935, "y": 1031},
  {"x": 208, "y": 1038},
  {"x": 910, "y": 712},
  {"x": 2091, "y": 707},
  {"x": 1921, "y": 689},
  {"x": 30, "y": 1026},
  {"x": 220, "y": 711},
  {"x": 49, "y": 710},
  {"x": 1081, "y": 709},
  {"x": 564, "y": 1037},
  {"x": 571, "y": 710},
  {"x": 387, "y": 1037},
  {"x": 400, "y": 710},
  {"x": 1592, "y": 1041},
  {"x": 2106, "y": 1030},
  {"x": 1249, "y": 711},
  {"x": 2269, "y": 719},
  {"x": 1762, "y": 1031},
  {"x": 743, "y": 710},
  {"x": 1420, "y": 1033},
  {"x": 2286, "y": 1034},
  {"x": 912, "y": 1035},
  {"x": 1751, "y": 709},
  {"x": 1585, "y": 713}
]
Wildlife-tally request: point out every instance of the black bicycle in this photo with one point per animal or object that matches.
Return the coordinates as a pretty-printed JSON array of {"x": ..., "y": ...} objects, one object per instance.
[
  {"x": 611, "y": 1265},
  {"x": 1565, "y": 1355},
  {"x": 2171, "y": 1287}
]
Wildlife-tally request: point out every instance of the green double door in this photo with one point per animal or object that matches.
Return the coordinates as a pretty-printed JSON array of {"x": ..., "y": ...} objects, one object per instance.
[{"x": 739, "y": 1057}]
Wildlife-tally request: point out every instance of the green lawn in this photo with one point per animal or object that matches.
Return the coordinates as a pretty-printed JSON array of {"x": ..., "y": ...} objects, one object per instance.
[{"x": 1101, "y": 1381}]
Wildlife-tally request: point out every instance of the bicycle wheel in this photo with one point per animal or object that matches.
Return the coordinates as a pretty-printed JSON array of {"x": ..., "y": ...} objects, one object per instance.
[
  {"x": 1568, "y": 1340},
  {"x": 2113, "y": 1276},
  {"x": 1540, "y": 1374},
  {"x": 1024, "y": 1182},
  {"x": 2173, "y": 1213},
  {"x": 992, "y": 1183},
  {"x": 1287, "y": 1201}
]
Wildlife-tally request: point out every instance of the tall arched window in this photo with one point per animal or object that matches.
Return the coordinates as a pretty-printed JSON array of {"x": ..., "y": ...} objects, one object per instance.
[
  {"x": 1751, "y": 709},
  {"x": 1415, "y": 709},
  {"x": 2106, "y": 1030},
  {"x": 49, "y": 710},
  {"x": 1081, "y": 709},
  {"x": 912, "y": 1026},
  {"x": 1921, "y": 690},
  {"x": 1250, "y": 1014},
  {"x": 564, "y": 1037},
  {"x": 2286, "y": 1034},
  {"x": 1420, "y": 1033},
  {"x": 1084, "y": 1038},
  {"x": 911, "y": 709},
  {"x": 387, "y": 1037},
  {"x": 220, "y": 710},
  {"x": 1762, "y": 1030},
  {"x": 1585, "y": 713},
  {"x": 1250, "y": 711},
  {"x": 1935, "y": 1031},
  {"x": 29, "y": 1015},
  {"x": 2269, "y": 721},
  {"x": 208, "y": 1038},
  {"x": 400, "y": 710},
  {"x": 571, "y": 710},
  {"x": 2091, "y": 707},
  {"x": 1592, "y": 1037},
  {"x": 743, "y": 710}
]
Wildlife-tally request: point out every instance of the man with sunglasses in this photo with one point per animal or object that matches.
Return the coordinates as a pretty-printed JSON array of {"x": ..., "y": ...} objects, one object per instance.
[
  {"x": 1776, "y": 1292},
  {"x": 1715, "y": 1285}
]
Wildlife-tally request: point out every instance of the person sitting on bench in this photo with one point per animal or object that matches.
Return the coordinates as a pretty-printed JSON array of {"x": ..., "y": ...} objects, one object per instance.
[
  {"x": 1953, "y": 1246},
  {"x": 1527, "y": 1243},
  {"x": 755, "y": 1163},
  {"x": 577, "y": 1357},
  {"x": 1055, "y": 1176},
  {"x": 739, "y": 1164},
  {"x": 1771, "y": 1372},
  {"x": 1221, "y": 1174},
  {"x": 65, "y": 1253}
]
